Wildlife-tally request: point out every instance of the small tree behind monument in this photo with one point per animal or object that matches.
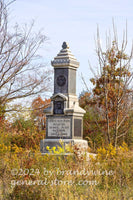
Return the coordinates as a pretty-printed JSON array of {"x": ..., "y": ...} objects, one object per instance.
[
  {"x": 38, "y": 105},
  {"x": 112, "y": 92}
]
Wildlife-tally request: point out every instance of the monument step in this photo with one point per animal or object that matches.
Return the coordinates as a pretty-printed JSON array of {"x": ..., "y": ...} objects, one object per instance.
[{"x": 79, "y": 144}]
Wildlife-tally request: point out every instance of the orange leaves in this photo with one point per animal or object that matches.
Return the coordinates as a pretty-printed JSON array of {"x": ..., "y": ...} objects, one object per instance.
[
  {"x": 38, "y": 105},
  {"x": 93, "y": 81},
  {"x": 84, "y": 99}
]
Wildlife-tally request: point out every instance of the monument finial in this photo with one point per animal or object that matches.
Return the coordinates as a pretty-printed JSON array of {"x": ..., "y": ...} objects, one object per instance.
[{"x": 65, "y": 45}]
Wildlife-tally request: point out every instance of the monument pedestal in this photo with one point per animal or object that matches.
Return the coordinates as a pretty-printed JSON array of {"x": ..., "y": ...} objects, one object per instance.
[{"x": 81, "y": 144}]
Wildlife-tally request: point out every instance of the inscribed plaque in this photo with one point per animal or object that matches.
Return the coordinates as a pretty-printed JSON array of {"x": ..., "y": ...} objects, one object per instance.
[{"x": 58, "y": 127}]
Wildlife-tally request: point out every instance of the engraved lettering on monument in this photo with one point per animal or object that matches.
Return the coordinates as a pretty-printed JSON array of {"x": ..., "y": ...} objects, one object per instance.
[{"x": 59, "y": 127}]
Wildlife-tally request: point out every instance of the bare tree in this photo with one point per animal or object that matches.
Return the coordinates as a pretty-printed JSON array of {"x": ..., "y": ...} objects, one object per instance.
[{"x": 21, "y": 73}]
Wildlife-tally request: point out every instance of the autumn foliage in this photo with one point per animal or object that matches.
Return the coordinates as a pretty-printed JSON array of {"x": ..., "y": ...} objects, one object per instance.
[
  {"x": 38, "y": 105},
  {"x": 109, "y": 106}
]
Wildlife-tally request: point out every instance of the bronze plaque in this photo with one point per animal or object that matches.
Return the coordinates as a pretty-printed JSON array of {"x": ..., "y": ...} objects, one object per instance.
[{"x": 77, "y": 127}]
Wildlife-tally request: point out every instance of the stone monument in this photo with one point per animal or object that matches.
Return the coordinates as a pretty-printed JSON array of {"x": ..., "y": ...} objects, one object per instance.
[{"x": 64, "y": 118}]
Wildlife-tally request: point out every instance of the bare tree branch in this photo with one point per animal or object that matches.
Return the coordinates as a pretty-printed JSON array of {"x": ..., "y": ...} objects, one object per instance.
[{"x": 21, "y": 73}]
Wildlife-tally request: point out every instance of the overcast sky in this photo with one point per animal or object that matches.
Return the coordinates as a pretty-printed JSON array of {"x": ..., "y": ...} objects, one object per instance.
[{"x": 75, "y": 21}]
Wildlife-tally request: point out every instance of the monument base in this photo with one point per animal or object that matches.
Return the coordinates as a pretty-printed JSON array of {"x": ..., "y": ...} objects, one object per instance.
[{"x": 80, "y": 144}]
